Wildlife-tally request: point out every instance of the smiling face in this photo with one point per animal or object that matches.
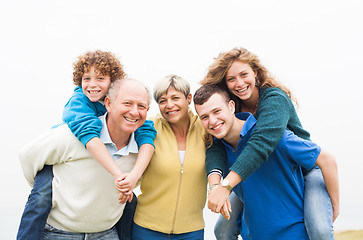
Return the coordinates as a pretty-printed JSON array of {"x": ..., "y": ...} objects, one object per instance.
[
  {"x": 95, "y": 85},
  {"x": 173, "y": 105},
  {"x": 240, "y": 80},
  {"x": 127, "y": 108},
  {"x": 217, "y": 116}
]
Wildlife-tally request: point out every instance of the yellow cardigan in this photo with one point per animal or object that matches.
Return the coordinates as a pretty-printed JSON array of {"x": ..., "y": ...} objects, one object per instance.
[{"x": 173, "y": 198}]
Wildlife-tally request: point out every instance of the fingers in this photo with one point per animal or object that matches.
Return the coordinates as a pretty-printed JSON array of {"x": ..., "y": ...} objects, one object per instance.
[
  {"x": 225, "y": 212},
  {"x": 228, "y": 205},
  {"x": 123, "y": 198}
]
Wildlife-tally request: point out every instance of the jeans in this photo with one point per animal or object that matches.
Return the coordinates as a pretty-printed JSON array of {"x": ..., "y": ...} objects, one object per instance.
[
  {"x": 141, "y": 233},
  {"x": 124, "y": 225},
  {"x": 38, "y": 206},
  {"x": 51, "y": 233},
  {"x": 318, "y": 211},
  {"x": 230, "y": 229}
]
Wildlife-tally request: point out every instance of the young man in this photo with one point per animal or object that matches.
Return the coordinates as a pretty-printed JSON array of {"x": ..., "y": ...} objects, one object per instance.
[
  {"x": 273, "y": 195},
  {"x": 85, "y": 201}
]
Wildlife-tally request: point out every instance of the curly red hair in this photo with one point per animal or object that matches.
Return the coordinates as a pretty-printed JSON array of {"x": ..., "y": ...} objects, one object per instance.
[{"x": 104, "y": 62}]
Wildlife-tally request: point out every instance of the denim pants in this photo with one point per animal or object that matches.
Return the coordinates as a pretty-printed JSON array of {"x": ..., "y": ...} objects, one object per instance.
[
  {"x": 39, "y": 204},
  {"x": 51, "y": 233},
  {"x": 141, "y": 233},
  {"x": 230, "y": 229},
  {"x": 318, "y": 212}
]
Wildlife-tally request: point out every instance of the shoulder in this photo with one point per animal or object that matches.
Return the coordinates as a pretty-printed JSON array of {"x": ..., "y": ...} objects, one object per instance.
[
  {"x": 274, "y": 96},
  {"x": 294, "y": 143},
  {"x": 272, "y": 91}
]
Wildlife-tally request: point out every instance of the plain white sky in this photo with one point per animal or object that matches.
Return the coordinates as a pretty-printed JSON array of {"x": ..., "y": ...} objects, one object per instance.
[{"x": 313, "y": 47}]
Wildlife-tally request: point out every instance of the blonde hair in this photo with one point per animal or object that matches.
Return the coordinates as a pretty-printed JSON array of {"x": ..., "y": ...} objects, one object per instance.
[
  {"x": 218, "y": 70},
  {"x": 174, "y": 81}
]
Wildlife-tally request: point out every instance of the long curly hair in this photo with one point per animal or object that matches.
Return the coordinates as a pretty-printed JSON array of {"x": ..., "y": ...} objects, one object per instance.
[
  {"x": 219, "y": 68},
  {"x": 105, "y": 62}
]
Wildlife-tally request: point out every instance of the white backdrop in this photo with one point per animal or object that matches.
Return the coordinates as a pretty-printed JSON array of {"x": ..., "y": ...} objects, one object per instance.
[{"x": 313, "y": 47}]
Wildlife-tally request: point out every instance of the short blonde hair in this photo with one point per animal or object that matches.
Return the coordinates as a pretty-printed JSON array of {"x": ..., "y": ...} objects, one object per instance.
[{"x": 171, "y": 81}]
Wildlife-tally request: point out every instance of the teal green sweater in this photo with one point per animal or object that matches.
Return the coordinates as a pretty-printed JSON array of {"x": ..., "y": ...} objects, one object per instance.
[{"x": 275, "y": 114}]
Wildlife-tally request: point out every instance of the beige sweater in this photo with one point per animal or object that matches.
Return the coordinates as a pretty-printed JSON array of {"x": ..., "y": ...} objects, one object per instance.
[{"x": 84, "y": 195}]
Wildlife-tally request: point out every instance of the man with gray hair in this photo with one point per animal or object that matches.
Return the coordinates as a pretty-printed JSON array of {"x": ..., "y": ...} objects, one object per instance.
[{"x": 85, "y": 201}]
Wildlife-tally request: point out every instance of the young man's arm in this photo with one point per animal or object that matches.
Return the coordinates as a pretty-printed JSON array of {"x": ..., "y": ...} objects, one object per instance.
[
  {"x": 218, "y": 197},
  {"x": 329, "y": 169}
]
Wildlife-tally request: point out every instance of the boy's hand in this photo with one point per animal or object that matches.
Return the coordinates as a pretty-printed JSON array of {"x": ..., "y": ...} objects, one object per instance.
[
  {"x": 126, "y": 183},
  {"x": 123, "y": 198}
]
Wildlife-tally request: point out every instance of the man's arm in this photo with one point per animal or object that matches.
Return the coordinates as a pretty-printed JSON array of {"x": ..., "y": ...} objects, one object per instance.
[
  {"x": 329, "y": 169},
  {"x": 218, "y": 197}
]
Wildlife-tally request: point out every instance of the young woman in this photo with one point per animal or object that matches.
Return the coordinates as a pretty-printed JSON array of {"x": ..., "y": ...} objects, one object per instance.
[
  {"x": 254, "y": 90},
  {"x": 174, "y": 186}
]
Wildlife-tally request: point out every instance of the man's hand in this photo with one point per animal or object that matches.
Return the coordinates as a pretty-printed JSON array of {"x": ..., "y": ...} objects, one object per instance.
[
  {"x": 226, "y": 209},
  {"x": 217, "y": 199}
]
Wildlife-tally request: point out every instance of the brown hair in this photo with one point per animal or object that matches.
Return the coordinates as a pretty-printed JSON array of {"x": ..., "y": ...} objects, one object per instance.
[
  {"x": 105, "y": 62},
  {"x": 218, "y": 70},
  {"x": 201, "y": 96}
]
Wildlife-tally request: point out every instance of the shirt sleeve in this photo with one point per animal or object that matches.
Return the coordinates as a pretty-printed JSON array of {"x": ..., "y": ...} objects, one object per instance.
[
  {"x": 81, "y": 116},
  {"x": 146, "y": 134},
  {"x": 302, "y": 152},
  {"x": 216, "y": 157},
  {"x": 274, "y": 113}
]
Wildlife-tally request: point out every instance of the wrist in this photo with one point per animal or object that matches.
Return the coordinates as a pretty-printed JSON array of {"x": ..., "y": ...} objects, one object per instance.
[
  {"x": 213, "y": 186},
  {"x": 225, "y": 183}
]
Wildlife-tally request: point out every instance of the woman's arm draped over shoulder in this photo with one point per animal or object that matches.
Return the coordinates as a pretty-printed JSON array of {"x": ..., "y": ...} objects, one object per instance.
[
  {"x": 216, "y": 157},
  {"x": 272, "y": 115}
]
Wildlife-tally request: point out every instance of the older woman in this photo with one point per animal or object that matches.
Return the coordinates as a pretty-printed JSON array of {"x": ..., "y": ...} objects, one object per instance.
[{"x": 174, "y": 184}]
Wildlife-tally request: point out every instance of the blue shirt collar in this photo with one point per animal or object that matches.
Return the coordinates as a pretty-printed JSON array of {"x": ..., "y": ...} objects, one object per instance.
[
  {"x": 250, "y": 122},
  {"x": 132, "y": 146}
]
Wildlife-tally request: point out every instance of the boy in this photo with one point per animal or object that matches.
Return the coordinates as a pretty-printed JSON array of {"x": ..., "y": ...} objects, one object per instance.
[
  {"x": 273, "y": 195},
  {"x": 93, "y": 74}
]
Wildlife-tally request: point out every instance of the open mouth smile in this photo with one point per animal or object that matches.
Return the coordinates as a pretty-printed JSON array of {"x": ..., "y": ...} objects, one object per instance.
[
  {"x": 172, "y": 112},
  {"x": 217, "y": 127},
  {"x": 131, "y": 120},
  {"x": 242, "y": 90}
]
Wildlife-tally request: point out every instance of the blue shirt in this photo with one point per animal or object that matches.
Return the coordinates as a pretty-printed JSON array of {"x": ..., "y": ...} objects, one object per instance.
[
  {"x": 81, "y": 116},
  {"x": 273, "y": 195}
]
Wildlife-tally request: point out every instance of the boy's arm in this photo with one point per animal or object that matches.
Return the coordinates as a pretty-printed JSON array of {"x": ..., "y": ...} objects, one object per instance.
[
  {"x": 99, "y": 151},
  {"x": 329, "y": 169},
  {"x": 144, "y": 137},
  {"x": 128, "y": 181},
  {"x": 81, "y": 116}
]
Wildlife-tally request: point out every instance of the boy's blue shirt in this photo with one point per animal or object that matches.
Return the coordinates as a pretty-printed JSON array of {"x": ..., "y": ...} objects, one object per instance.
[
  {"x": 81, "y": 116},
  {"x": 273, "y": 195}
]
